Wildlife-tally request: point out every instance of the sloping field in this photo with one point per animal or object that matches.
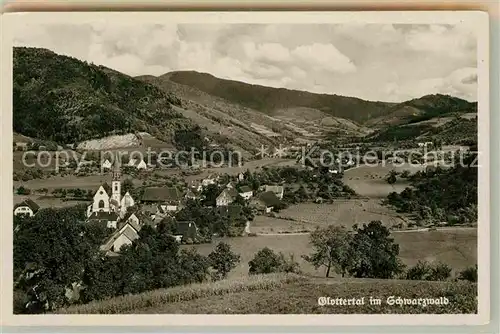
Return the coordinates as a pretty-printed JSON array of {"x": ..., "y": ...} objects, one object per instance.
[
  {"x": 111, "y": 142},
  {"x": 290, "y": 294},
  {"x": 370, "y": 181},
  {"x": 341, "y": 212}
]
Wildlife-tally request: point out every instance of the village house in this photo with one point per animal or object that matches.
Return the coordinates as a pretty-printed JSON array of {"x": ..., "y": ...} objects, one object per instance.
[
  {"x": 190, "y": 194},
  {"x": 109, "y": 198},
  {"x": 21, "y": 146},
  {"x": 138, "y": 164},
  {"x": 125, "y": 235},
  {"x": 246, "y": 192},
  {"x": 211, "y": 179},
  {"x": 226, "y": 197},
  {"x": 241, "y": 177},
  {"x": 108, "y": 218},
  {"x": 27, "y": 207},
  {"x": 167, "y": 198},
  {"x": 185, "y": 230},
  {"x": 265, "y": 201},
  {"x": 106, "y": 164},
  {"x": 137, "y": 219},
  {"x": 277, "y": 190}
]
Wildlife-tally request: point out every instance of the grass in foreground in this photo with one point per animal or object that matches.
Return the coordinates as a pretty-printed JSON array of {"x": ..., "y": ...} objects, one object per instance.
[
  {"x": 289, "y": 294},
  {"x": 158, "y": 298}
]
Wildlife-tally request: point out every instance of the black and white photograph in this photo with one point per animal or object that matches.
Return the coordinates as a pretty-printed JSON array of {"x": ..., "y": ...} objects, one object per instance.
[{"x": 227, "y": 163}]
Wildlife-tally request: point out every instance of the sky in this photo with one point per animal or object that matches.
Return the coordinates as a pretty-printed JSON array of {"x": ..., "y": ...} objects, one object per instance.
[{"x": 380, "y": 62}]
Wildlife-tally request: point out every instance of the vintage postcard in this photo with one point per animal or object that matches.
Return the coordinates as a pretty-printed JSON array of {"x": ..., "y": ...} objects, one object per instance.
[{"x": 309, "y": 166}]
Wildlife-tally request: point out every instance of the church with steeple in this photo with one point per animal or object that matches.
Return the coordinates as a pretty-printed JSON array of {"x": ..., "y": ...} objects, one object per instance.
[{"x": 108, "y": 203}]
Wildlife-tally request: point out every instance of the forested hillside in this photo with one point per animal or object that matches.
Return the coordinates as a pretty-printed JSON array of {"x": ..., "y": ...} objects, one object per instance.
[{"x": 66, "y": 100}]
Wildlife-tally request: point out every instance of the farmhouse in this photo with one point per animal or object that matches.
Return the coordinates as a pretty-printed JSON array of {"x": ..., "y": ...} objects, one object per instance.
[
  {"x": 265, "y": 201},
  {"x": 246, "y": 192},
  {"x": 108, "y": 218},
  {"x": 166, "y": 197},
  {"x": 109, "y": 199},
  {"x": 27, "y": 207},
  {"x": 277, "y": 190},
  {"x": 185, "y": 230},
  {"x": 123, "y": 236},
  {"x": 137, "y": 220},
  {"x": 226, "y": 197}
]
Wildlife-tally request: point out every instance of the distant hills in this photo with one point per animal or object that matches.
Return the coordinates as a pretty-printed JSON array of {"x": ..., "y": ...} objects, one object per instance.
[{"x": 66, "y": 100}]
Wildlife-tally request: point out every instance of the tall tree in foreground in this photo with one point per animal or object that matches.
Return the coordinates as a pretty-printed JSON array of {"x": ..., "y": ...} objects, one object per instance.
[
  {"x": 331, "y": 249},
  {"x": 373, "y": 252},
  {"x": 50, "y": 253},
  {"x": 223, "y": 260}
]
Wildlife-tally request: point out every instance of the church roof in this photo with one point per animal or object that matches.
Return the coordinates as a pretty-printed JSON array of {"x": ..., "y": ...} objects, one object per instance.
[
  {"x": 107, "y": 188},
  {"x": 161, "y": 194},
  {"x": 108, "y": 216}
]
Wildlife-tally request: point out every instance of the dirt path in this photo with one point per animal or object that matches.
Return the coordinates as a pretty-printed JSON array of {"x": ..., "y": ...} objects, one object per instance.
[{"x": 396, "y": 231}]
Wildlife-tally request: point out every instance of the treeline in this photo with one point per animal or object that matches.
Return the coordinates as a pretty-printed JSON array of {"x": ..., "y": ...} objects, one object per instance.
[
  {"x": 440, "y": 194},
  {"x": 369, "y": 251}
]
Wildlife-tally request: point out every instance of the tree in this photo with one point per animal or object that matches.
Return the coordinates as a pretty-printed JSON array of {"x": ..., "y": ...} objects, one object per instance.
[
  {"x": 439, "y": 272},
  {"x": 331, "y": 249},
  {"x": 210, "y": 194},
  {"x": 194, "y": 266},
  {"x": 50, "y": 254},
  {"x": 391, "y": 177},
  {"x": 223, "y": 260},
  {"x": 469, "y": 274},
  {"x": 373, "y": 252},
  {"x": 127, "y": 186},
  {"x": 266, "y": 261},
  {"x": 419, "y": 272},
  {"x": 23, "y": 191}
]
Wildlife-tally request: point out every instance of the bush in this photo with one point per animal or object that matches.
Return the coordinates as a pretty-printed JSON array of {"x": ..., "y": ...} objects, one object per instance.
[
  {"x": 266, "y": 261},
  {"x": 469, "y": 274},
  {"x": 23, "y": 191},
  {"x": 425, "y": 271}
]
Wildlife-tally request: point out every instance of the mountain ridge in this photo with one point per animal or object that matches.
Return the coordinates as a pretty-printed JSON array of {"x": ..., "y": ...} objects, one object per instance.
[{"x": 64, "y": 99}]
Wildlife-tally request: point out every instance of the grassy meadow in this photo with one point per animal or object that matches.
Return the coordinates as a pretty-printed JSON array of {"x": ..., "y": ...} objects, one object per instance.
[{"x": 288, "y": 294}]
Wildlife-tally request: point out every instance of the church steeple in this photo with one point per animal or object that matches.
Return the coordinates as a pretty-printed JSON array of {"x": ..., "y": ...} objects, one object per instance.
[
  {"x": 116, "y": 182},
  {"x": 116, "y": 170}
]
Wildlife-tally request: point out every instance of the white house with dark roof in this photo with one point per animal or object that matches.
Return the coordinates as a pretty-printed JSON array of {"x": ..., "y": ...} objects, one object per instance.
[
  {"x": 265, "y": 201},
  {"x": 185, "y": 230},
  {"x": 246, "y": 192},
  {"x": 27, "y": 207},
  {"x": 125, "y": 235},
  {"x": 167, "y": 198}
]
